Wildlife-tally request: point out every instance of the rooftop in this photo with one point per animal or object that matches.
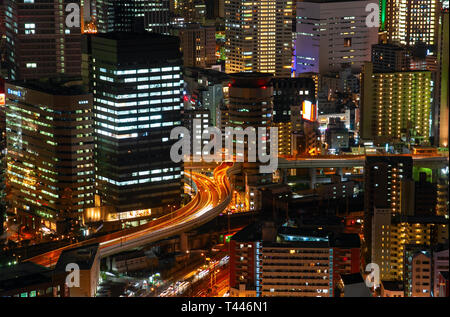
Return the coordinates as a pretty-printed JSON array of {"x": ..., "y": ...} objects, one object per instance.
[
  {"x": 303, "y": 232},
  {"x": 58, "y": 86},
  {"x": 354, "y": 286},
  {"x": 212, "y": 73},
  {"x": 392, "y": 285},
  {"x": 83, "y": 256},
  {"x": 251, "y": 75},
  {"x": 250, "y": 80},
  {"x": 346, "y": 240},
  {"x": 297, "y": 244},
  {"x": 250, "y": 233},
  {"x": 23, "y": 275},
  {"x": 299, "y": 237}
]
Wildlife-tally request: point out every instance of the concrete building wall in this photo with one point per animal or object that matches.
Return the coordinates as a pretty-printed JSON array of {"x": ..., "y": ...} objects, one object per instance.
[
  {"x": 440, "y": 263},
  {"x": 293, "y": 271},
  {"x": 343, "y": 37},
  {"x": 57, "y": 174},
  {"x": 259, "y": 36}
]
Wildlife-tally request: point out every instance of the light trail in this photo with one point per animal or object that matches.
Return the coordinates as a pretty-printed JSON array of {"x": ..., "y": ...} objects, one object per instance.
[{"x": 210, "y": 194}]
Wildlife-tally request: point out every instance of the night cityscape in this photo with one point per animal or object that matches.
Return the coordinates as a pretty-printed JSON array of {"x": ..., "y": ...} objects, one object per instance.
[{"x": 224, "y": 149}]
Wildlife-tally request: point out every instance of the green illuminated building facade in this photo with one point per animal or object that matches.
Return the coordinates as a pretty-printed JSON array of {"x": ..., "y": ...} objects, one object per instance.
[
  {"x": 396, "y": 106},
  {"x": 49, "y": 135},
  {"x": 409, "y": 22}
]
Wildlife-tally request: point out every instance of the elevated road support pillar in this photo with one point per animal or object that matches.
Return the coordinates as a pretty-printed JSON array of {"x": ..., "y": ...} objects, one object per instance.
[{"x": 313, "y": 177}]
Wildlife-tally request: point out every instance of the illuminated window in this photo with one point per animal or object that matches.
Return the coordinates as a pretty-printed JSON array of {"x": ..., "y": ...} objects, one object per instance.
[
  {"x": 347, "y": 42},
  {"x": 30, "y": 28}
]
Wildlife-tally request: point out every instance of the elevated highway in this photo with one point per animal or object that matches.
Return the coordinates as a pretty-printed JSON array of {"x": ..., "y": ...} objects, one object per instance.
[
  {"x": 212, "y": 197},
  {"x": 336, "y": 161}
]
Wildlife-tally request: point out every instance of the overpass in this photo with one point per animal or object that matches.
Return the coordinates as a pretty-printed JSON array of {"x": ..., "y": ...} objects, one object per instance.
[
  {"x": 212, "y": 197},
  {"x": 334, "y": 161},
  {"x": 348, "y": 161}
]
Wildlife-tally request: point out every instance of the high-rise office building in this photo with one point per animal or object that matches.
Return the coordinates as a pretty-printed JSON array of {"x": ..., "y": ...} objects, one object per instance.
[
  {"x": 249, "y": 101},
  {"x": 249, "y": 104},
  {"x": 2, "y": 155},
  {"x": 383, "y": 180},
  {"x": 3, "y": 70},
  {"x": 205, "y": 88},
  {"x": 215, "y": 9},
  {"x": 331, "y": 35},
  {"x": 192, "y": 11},
  {"x": 50, "y": 151},
  {"x": 288, "y": 261},
  {"x": 137, "y": 84},
  {"x": 390, "y": 58},
  {"x": 38, "y": 41},
  {"x": 391, "y": 235},
  {"x": 132, "y": 15},
  {"x": 198, "y": 45},
  {"x": 287, "y": 93},
  {"x": 259, "y": 36},
  {"x": 441, "y": 97},
  {"x": 410, "y": 22},
  {"x": 395, "y": 105},
  {"x": 2, "y": 18}
]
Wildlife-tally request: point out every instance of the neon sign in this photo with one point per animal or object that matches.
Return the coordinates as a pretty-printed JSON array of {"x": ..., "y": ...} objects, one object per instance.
[
  {"x": 308, "y": 110},
  {"x": 17, "y": 93}
]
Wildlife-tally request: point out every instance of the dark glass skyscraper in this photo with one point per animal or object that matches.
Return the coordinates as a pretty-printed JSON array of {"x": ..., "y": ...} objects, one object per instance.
[
  {"x": 38, "y": 41},
  {"x": 137, "y": 85},
  {"x": 131, "y": 15}
]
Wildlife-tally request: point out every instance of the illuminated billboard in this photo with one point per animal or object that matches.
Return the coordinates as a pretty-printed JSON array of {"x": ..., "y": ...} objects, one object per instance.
[
  {"x": 227, "y": 238},
  {"x": 308, "y": 110}
]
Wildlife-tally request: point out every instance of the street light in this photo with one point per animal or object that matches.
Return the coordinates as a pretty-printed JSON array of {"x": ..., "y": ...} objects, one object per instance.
[{"x": 185, "y": 262}]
